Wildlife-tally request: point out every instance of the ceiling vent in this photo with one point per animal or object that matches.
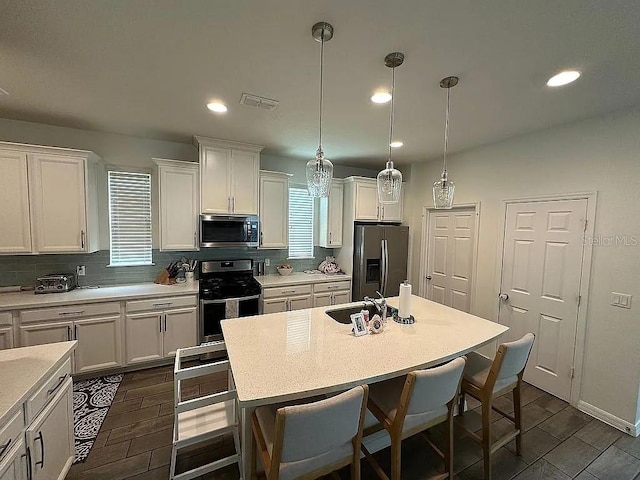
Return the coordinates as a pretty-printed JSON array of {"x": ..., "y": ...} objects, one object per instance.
[{"x": 258, "y": 102}]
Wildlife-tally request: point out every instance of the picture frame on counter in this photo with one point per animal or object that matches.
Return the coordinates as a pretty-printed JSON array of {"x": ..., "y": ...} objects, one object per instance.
[{"x": 359, "y": 325}]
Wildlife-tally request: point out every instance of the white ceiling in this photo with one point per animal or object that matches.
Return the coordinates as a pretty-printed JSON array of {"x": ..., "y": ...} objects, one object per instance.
[{"x": 148, "y": 67}]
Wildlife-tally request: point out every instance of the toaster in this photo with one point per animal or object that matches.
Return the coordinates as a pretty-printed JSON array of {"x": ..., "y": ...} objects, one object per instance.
[{"x": 56, "y": 283}]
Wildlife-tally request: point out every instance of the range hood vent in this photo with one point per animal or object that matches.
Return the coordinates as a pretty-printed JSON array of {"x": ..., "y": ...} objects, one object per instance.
[{"x": 258, "y": 102}]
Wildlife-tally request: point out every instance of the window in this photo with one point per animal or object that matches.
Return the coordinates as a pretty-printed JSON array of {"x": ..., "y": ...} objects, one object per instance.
[
  {"x": 300, "y": 223},
  {"x": 130, "y": 218}
]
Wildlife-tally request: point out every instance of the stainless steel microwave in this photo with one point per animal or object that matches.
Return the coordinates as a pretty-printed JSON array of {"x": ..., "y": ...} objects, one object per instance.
[{"x": 225, "y": 231}]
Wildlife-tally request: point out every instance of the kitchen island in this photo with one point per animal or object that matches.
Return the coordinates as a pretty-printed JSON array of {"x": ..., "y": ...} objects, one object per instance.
[{"x": 293, "y": 355}]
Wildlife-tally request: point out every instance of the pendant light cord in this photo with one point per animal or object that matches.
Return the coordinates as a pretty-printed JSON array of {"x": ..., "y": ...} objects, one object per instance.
[
  {"x": 393, "y": 95},
  {"x": 446, "y": 133},
  {"x": 321, "y": 91}
]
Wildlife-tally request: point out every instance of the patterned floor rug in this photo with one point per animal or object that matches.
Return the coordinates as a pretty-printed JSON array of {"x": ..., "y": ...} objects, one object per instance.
[{"x": 91, "y": 401}]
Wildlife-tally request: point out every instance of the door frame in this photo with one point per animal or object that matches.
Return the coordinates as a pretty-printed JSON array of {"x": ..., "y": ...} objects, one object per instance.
[
  {"x": 585, "y": 274},
  {"x": 426, "y": 212}
]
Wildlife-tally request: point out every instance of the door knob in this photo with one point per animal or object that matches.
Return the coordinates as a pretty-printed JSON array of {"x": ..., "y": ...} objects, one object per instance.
[
  {"x": 503, "y": 296},
  {"x": 428, "y": 277}
]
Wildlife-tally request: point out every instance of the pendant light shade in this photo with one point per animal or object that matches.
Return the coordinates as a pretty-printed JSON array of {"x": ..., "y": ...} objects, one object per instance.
[
  {"x": 319, "y": 169},
  {"x": 444, "y": 188},
  {"x": 389, "y": 180}
]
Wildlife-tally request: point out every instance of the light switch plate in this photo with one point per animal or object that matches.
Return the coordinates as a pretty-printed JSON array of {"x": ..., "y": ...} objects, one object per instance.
[{"x": 621, "y": 300}]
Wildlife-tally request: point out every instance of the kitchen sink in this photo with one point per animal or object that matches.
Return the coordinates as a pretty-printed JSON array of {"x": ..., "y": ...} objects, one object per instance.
[{"x": 343, "y": 315}]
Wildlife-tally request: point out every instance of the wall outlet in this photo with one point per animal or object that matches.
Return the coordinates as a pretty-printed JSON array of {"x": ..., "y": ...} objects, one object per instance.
[
  {"x": 621, "y": 300},
  {"x": 267, "y": 262},
  {"x": 81, "y": 270}
]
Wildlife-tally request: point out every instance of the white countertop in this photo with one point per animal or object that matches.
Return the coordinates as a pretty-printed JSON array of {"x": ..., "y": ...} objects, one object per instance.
[
  {"x": 16, "y": 300},
  {"x": 22, "y": 369},
  {"x": 298, "y": 278},
  {"x": 285, "y": 356}
]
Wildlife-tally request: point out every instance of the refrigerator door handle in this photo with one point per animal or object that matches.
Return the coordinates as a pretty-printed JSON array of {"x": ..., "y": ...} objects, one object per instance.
[{"x": 384, "y": 270}]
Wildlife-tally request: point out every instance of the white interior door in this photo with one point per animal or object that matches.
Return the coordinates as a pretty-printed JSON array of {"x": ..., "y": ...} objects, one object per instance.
[
  {"x": 541, "y": 271},
  {"x": 450, "y": 257}
]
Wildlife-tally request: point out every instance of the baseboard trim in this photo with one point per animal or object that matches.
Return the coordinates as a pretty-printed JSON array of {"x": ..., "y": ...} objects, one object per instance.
[{"x": 609, "y": 418}]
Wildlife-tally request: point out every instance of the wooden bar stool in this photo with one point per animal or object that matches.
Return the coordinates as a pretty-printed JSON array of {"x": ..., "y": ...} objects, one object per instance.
[
  {"x": 411, "y": 404},
  {"x": 485, "y": 379},
  {"x": 311, "y": 440}
]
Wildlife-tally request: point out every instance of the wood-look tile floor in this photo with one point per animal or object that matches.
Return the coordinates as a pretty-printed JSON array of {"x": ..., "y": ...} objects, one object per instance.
[{"x": 559, "y": 441}]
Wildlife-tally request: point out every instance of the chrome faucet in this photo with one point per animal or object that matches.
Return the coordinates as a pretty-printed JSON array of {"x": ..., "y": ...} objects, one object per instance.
[{"x": 381, "y": 305}]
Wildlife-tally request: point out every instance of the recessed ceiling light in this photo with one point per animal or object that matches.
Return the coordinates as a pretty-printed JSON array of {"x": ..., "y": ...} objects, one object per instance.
[
  {"x": 217, "y": 107},
  {"x": 381, "y": 97},
  {"x": 396, "y": 144},
  {"x": 563, "y": 78}
]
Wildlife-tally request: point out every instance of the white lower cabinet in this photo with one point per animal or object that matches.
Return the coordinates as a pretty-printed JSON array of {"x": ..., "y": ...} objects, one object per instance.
[
  {"x": 301, "y": 296},
  {"x": 14, "y": 463},
  {"x": 41, "y": 333},
  {"x": 6, "y": 337},
  {"x": 144, "y": 337},
  {"x": 158, "y": 334},
  {"x": 99, "y": 344},
  {"x": 50, "y": 437}
]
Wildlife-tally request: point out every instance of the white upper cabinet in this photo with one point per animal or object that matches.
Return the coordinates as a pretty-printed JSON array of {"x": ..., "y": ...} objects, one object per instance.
[
  {"x": 178, "y": 200},
  {"x": 59, "y": 200},
  {"x": 15, "y": 234},
  {"x": 274, "y": 210},
  {"x": 330, "y": 216},
  {"x": 228, "y": 176},
  {"x": 362, "y": 196}
]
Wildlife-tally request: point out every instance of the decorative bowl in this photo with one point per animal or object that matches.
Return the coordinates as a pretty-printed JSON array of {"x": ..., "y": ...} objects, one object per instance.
[{"x": 285, "y": 270}]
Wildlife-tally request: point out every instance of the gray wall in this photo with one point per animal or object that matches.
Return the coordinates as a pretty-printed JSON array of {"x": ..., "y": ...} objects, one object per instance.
[{"x": 136, "y": 153}]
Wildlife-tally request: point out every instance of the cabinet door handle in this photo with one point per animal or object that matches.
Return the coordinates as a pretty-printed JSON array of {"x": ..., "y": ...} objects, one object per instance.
[
  {"x": 82, "y": 236},
  {"x": 233, "y": 204},
  {"x": 41, "y": 440},
  {"x": 165, "y": 322},
  {"x": 4, "y": 447},
  {"x": 68, "y": 333},
  {"x": 63, "y": 314},
  {"x": 378, "y": 211},
  {"x": 57, "y": 385},
  {"x": 75, "y": 332},
  {"x": 329, "y": 238},
  {"x": 195, "y": 239},
  {"x": 160, "y": 322},
  {"x": 28, "y": 455}
]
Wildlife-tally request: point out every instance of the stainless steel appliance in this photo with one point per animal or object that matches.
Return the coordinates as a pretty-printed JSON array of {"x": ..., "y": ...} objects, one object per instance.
[
  {"x": 56, "y": 283},
  {"x": 227, "y": 290},
  {"x": 225, "y": 231},
  {"x": 379, "y": 260}
]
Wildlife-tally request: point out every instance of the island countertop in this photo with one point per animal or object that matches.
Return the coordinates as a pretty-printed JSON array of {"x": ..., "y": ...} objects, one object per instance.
[
  {"x": 290, "y": 355},
  {"x": 17, "y": 300},
  {"x": 23, "y": 369}
]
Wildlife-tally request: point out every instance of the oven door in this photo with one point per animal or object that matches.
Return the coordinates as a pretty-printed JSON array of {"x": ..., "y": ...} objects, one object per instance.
[{"x": 212, "y": 312}]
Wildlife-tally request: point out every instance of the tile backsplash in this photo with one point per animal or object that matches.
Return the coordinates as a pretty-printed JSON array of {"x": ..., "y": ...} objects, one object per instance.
[{"x": 24, "y": 269}]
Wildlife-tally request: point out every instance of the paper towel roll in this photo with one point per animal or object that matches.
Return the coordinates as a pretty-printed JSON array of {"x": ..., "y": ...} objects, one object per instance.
[{"x": 405, "y": 300}]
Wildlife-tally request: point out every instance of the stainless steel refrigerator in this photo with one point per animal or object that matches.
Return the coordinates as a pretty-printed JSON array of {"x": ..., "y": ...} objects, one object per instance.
[{"x": 379, "y": 260}]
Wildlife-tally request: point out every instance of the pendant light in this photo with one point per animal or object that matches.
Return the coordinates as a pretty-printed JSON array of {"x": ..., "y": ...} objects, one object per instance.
[
  {"x": 319, "y": 169},
  {"x": 443, "y": 189},
  {"x": 389, "y": 180}
]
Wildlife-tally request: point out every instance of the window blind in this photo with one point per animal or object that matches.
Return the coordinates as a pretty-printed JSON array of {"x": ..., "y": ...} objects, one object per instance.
[
  {"x": 300, "y": 223},
  {"x": 130, "y": 218}
]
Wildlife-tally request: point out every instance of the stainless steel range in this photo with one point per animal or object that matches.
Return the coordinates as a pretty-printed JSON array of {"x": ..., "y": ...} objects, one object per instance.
[{"x": 227, "y": 290}]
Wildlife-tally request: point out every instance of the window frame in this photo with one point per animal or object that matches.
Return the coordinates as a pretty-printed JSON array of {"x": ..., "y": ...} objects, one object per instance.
[
  {"x": 310, "y": 253},
  {"x": 148, "y": 256}
]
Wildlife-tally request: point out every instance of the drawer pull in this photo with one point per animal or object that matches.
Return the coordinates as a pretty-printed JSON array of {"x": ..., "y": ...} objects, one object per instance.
[
  {"x": 57, "y": 385},
  {"x": 41, "y": 440},
  {"x": 288, "y": 292},
  {"x": 79, "y": 312},
  {"x": 162, "y": 305},
  {"x": 4, "y": 447},
  {"x": 333, "y": 287}
]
